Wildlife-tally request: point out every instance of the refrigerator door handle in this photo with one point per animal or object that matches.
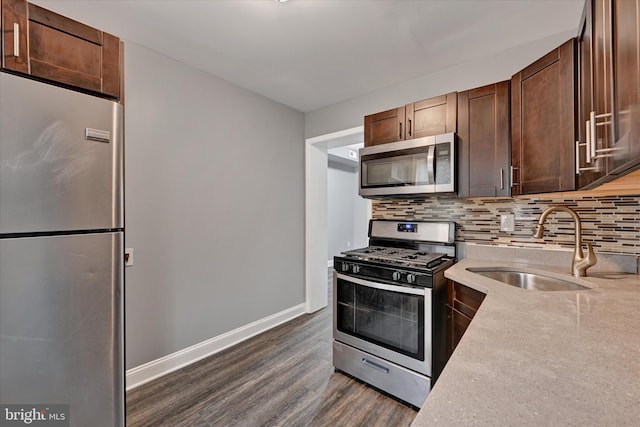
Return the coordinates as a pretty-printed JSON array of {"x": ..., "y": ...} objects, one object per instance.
[{"x": 97, "y": 135}]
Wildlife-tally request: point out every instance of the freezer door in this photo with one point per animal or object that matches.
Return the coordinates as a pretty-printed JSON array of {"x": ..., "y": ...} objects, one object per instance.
[
  {"x": 60, "y": 159},
  {"x": 61, "y": 325}
]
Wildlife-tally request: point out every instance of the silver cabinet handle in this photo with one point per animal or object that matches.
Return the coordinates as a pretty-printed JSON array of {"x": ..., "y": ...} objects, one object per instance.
[
  {"x": 578, "y": 168},
  {"x": 598, "y": 153},
  {"x": 16, "y": 40},
  {"x": 513, "y": 184},
  {"x": 501, "y": 179},
  {"x": 588, "y": 143},
  {"x": 592, "y": 132}
]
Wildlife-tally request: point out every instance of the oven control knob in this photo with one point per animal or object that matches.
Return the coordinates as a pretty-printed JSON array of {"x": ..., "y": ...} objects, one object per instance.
[
  {"x": 345, "y": 266},
  {"x": 355, "y": 268},
  {"x": 396, "y": 275},
  {"x": 411, "y": 278}
]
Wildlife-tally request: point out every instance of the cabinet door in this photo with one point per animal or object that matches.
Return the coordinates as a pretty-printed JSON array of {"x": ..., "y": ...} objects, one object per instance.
[
  {"x": 543, "y": 123},
  {"x": 72, "y": 53},
  {"x": 58, "y": 49},
  {"x": 462, "y": 304},
  {"x": 602, "y": 133},
  {"x": 15, "y": 56},
  {"x": 384, "y": 127},
  {"x": 433, "y": 116},
  {"x": 483, "y": 141},
  {"x": 588, "y": 169},
  {"x": 626, "y": 39}
]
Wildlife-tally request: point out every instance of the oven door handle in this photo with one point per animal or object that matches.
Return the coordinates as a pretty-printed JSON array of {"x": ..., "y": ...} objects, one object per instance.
[{"x": 383, "y": 286}]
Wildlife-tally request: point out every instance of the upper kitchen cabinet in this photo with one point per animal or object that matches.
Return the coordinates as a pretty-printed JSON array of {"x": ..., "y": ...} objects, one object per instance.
[
  {"x": 433, "y": 116},
  {"x": 49, "y": 46},
  {"x": 586, "y": 170},
  {"x": 543, "y": 133},
  {"x": 626, "y": 72},
  {"x": 609, "y": 102},
  {"x": 387, "y": 126},
  {"x": 483, "y": 141},
  {"x": 428, "y": 117}
]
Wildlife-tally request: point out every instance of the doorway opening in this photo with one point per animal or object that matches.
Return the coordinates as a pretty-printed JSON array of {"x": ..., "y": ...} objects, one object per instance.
[{"x": 317, "y": 213}]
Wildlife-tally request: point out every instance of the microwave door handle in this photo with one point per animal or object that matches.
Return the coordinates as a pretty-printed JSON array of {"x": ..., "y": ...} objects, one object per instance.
[{"x": 431, "y": 164}]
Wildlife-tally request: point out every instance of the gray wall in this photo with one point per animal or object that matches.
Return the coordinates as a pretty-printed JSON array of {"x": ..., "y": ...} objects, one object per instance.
[
  {"x": 468, "y": 75},
  {"x": 347, "y": 212},
  {"x": 214, "y": 206}
]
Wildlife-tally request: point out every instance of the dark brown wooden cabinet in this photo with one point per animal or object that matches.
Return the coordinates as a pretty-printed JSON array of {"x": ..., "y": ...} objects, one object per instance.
[
  {"x": 543, "y": 133},
  {"x": 428, "y": 117},
  {"x": 462, "y": 304},
  {"x": 626, "y": 75},
  {"x": 484, "y": 137},
  {"x": 433, "y": 116},
  {"x": 49, "y": 46},
  {"x": 586, "y": 170},
  {"x": 384, "y": 127},
  {"x": 609, "y": 101}
]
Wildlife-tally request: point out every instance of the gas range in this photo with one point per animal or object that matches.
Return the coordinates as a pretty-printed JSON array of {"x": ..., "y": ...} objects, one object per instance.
[{"x": 389, "y": 307}]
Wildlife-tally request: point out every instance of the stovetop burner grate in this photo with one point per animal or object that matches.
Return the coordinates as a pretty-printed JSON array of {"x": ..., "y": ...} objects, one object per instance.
[{"x": 395, "y": 255}]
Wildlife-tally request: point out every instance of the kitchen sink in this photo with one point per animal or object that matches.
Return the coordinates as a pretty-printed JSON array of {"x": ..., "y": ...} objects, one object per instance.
[{"x": 527, "y": 280}]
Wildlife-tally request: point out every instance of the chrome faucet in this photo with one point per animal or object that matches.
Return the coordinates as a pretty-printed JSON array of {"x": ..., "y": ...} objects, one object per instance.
[{"x": 580, "y": 263}]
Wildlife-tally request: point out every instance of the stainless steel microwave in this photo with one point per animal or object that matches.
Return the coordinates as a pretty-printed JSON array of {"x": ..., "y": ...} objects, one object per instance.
[{"x": 413, "y": 167}]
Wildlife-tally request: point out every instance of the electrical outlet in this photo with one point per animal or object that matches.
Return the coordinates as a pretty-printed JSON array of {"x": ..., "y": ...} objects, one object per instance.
[
  {"x": 507, "y": 222},
  {"x": 128, "y": 257}
]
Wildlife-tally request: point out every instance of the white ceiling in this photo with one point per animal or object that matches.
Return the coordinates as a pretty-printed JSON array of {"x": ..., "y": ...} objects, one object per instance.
[{"x": 308, "y": 54}]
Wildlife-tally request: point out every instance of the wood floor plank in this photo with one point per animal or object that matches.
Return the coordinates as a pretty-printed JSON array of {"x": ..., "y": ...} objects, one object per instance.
[{"x": 283, "y": 377}]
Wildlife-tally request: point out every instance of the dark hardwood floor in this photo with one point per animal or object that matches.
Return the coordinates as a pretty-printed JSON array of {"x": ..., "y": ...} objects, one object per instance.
[{"x": 283, "y": 377}]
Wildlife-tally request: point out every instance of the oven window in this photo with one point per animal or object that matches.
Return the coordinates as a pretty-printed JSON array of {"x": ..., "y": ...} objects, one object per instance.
[{"x": 390, "y": 319}]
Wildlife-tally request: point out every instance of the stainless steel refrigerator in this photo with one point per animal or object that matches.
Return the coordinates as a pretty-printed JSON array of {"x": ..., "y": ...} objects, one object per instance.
[{"x": 61, "y": 251}]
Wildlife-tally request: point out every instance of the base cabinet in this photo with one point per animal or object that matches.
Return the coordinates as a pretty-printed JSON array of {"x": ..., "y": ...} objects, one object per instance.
[
  {"x": 462, "y": 304},
  {"x": 43, "y": 44}
]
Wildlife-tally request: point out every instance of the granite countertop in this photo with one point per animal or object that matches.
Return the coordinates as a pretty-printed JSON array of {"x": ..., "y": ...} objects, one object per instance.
[{"x": 543, "y": 358}]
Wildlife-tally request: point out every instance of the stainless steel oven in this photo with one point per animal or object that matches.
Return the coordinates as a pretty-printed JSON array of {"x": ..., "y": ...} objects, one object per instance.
[
  {"x": 386, "y": 320},
  {"x": 389, "y": 307},
  {"x": 412, "y": 167}
]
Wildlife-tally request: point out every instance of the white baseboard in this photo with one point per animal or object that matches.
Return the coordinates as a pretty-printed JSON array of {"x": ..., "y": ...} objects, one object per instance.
[{"x": 156, "y": 368}]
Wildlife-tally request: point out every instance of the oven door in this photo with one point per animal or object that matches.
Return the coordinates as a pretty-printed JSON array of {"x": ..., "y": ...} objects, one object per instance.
[{"x": 389, "y": 321}]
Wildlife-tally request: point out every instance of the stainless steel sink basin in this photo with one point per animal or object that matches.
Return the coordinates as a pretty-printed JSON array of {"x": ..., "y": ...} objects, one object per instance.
[{"x": 527, "y": 280}]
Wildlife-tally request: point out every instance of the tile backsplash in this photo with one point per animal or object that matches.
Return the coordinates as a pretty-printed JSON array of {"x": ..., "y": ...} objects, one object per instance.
[{"x": 611, "y": 224}]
